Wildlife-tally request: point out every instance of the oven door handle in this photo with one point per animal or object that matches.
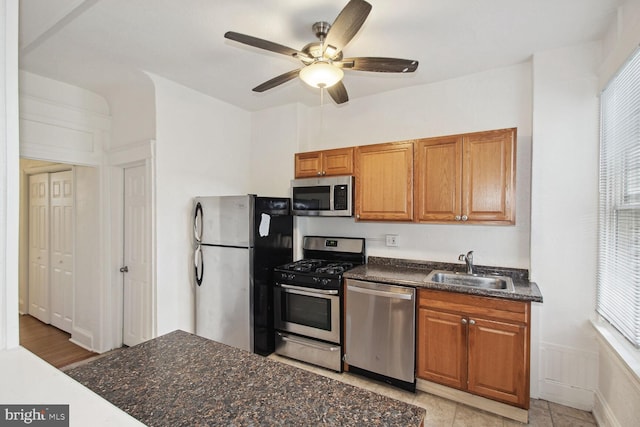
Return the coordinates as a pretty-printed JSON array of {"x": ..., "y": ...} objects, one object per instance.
[
  {"x": 307, "y": 343},
  {"x": 306, "y": 291}
]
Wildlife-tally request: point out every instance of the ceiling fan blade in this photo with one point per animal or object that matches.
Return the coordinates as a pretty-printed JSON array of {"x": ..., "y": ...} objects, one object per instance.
[
  {"x": 264, "y": 44},
  {"x": 338, "y": 92},
  {"x": 346, "y": 25},
  {"x": 282, "y": 78},
  {"x": 379, "y": 65}
]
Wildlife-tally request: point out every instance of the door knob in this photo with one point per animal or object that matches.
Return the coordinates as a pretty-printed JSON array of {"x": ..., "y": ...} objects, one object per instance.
[{"x": 124, "y": 269}]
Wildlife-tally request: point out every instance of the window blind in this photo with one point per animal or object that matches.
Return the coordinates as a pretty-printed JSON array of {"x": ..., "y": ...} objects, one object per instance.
[{"x": 618, "y": 280}]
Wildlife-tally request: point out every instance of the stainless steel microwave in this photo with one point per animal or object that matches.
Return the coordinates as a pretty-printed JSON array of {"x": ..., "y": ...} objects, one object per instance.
[{"x": 322, "y": 196}]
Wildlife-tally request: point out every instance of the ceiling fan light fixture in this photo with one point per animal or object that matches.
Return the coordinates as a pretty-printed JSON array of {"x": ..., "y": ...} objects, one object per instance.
[{"x": 321, "y": 75}]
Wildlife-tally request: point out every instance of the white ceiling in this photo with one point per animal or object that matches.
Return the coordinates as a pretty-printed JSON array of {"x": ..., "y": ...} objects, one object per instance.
[{"x": 102, "y": 45}]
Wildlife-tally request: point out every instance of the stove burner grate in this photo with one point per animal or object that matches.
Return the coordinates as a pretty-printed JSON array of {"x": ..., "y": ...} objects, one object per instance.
[{"x": 334, "y": 268}]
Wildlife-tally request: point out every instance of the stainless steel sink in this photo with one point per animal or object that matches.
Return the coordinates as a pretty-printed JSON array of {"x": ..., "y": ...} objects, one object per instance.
[{"x": 488, "y": 282}]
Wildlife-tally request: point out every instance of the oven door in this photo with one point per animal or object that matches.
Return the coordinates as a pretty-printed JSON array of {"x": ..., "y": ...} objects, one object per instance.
[{"x": 314, "y": 313}]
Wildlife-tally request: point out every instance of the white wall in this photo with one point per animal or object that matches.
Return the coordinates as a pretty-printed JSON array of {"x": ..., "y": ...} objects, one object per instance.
[
  {"x": 500, "y": 98},
  {"x": 134, "y": 114},
  {"x": 274, "y": 139},
  {"x": 61, "y": 122},
  {"x": 9, "y": 176},
  {"x": 91, "y": 252},
  {"x": 564, "y": 219},
  {"x": 202, "y": 148}
]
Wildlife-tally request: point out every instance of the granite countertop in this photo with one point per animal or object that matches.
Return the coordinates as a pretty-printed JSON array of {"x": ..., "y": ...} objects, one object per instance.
[
  {"x": 413, "y": 273},
  {"x": 180, "y": 379}
]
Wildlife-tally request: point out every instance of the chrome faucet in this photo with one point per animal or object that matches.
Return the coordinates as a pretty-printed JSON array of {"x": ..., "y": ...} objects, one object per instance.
[{"x": 468, "y": 259}]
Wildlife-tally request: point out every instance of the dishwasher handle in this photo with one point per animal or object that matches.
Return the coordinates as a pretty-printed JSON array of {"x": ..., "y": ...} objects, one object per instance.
[{"x": 386, "y": 294}]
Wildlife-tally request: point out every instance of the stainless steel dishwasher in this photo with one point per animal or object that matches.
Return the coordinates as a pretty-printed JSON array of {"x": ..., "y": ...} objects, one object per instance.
[{"x": 380, "y": 331}]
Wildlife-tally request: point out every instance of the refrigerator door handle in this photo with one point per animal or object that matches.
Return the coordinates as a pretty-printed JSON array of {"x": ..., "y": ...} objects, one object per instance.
[
  {"x": 197, "y": 223},
  {"x": 199, "y": 265}
]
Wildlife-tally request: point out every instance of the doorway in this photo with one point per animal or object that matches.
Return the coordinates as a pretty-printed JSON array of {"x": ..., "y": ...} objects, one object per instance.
[
  {"x": 133, "y": 244},
  {"x": 51, "y": 220},
  {"x": 137, "y": 290},
  {"x": 46, "y": 262},
  {"x": 47, "y": 259}
]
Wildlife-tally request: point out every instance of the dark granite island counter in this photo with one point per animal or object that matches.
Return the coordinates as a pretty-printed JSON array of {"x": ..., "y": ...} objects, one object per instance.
[{"x": 180, "y": 379}]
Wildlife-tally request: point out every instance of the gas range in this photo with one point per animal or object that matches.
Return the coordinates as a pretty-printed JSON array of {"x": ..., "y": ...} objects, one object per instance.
[
  {"x": 308, "y": 302},
  {"x": 316, "y": 273}
]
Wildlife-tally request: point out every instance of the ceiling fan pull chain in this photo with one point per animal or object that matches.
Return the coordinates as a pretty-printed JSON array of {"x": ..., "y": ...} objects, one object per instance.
[{"x": 321, "y": 113}]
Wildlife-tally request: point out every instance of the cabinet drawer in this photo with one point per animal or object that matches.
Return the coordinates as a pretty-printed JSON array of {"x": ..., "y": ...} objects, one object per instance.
[{"x": 473, "y": 305}]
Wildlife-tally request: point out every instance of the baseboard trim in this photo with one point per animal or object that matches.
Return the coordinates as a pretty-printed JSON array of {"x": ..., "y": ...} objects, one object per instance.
[
  {"x": 498, "y": 408},
  {"x": 602, "y": 412},
  {"x": 82, "y": 338},
  {"x": 566, "y": 394}
]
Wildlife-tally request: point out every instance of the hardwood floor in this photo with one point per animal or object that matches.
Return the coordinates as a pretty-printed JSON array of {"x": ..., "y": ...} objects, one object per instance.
[{"x": 50, "y": 343}]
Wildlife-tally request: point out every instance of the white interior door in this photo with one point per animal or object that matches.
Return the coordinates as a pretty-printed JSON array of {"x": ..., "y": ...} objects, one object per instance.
[
  {"x": 61, "y": 225},
  {"x": 39, "y": 247},
  {"x": 137, "y": 316}
]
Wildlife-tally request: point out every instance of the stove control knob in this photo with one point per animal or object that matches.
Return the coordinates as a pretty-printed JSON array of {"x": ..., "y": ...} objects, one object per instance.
[
  {"x": 325, "y": 281},
  {"x": 316, "y": 279},
  {"x": 291, "y": 276}
]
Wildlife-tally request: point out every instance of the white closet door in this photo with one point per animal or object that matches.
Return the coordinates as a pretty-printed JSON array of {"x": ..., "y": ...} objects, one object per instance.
[
  {"x": 61, "y": 224},
  {"x": 137, "y": 321},
  {"x": 39, "y": 247}
]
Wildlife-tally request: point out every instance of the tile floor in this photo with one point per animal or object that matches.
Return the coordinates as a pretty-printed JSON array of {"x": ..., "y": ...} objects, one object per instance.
[{"x": 443, "y": 412}]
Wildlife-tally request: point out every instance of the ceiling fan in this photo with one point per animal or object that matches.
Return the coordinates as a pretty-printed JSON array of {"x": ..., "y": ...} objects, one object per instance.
[{"x": 323, "y": 61}]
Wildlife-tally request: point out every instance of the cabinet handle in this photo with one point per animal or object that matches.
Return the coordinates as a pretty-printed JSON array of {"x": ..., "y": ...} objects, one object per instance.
[
  {"x": 357, "y": 216},
  {"x": 463, "y": 321},
  {"x": 464, "y": 217},
  {"x": 472, "y": 322},
  {"x": 457, "y": 218},
  {"x": 319, "y": 173}
]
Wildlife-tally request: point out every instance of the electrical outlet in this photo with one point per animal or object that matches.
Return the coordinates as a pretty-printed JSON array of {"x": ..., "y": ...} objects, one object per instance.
[{"x": 392, "y": 240}]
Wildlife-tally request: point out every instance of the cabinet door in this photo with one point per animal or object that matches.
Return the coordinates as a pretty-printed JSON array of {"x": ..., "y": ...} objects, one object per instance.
[
  {"x": 489, "y": 176},
  {"x": 438, "y": 178},
  {"x": 308, "y": 164},
  {"x": 442, "y": 348},
  {"x": 498, "y": 361},
  {"x": 384, "y": 182},
  {"x": 337, "y": 162}
]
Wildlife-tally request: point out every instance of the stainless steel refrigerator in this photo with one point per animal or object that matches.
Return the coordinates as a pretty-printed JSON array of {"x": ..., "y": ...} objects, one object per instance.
[{"x": 238, "y": 241}]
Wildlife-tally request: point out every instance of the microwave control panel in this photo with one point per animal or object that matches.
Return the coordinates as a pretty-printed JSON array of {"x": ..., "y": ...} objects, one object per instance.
[{"x": 340, "y": 202}]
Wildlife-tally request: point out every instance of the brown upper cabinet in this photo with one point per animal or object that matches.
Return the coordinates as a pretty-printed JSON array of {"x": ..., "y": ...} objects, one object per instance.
[
  {"x": 466, "y": 178},
  {"x": 384, "y": 182},
  {"x": 338, "y": 161}
]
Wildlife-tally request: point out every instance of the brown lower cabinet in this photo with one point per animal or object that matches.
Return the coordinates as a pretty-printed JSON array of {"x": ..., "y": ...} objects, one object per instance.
[{"x": 476, "y": 344}]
